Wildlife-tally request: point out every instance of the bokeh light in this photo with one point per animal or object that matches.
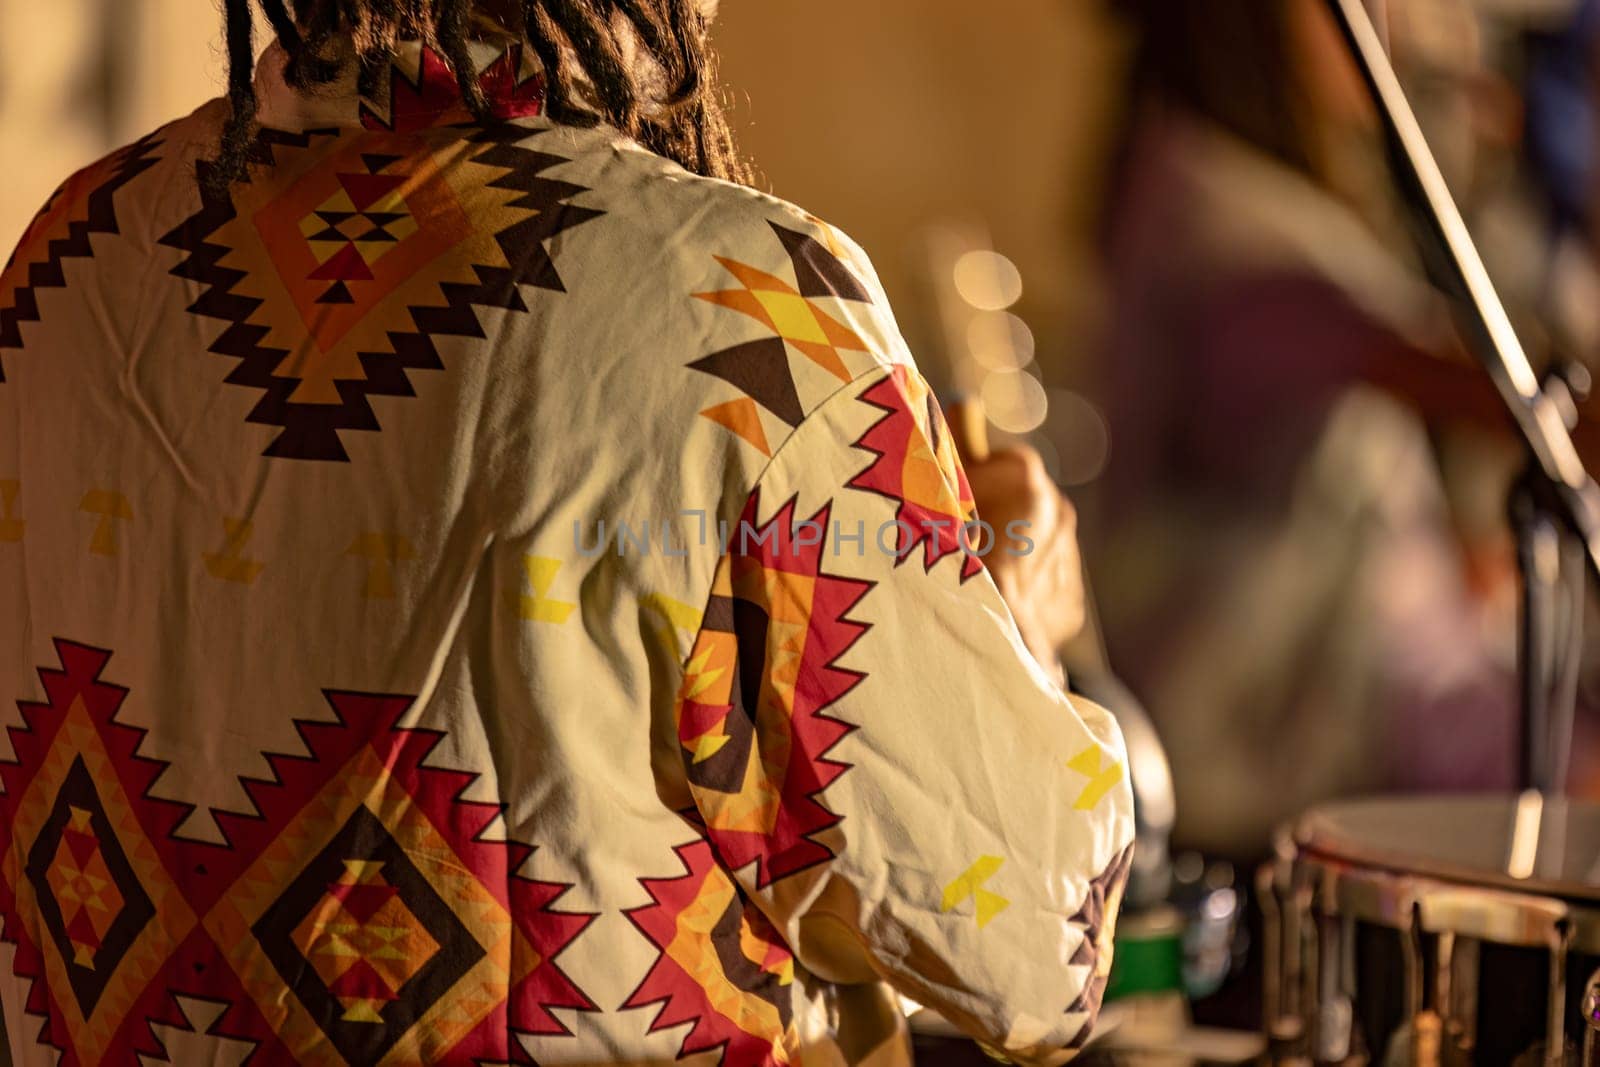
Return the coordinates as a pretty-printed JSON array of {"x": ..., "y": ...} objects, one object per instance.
[
  {"x": 1079, "y": 436},
  {"x": 1000, "y": 341},
  {"x": 987, "y": 280},
  {"x": 1015, "y": 401}
]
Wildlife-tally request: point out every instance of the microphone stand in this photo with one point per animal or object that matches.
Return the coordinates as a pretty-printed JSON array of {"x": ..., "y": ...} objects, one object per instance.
[{"x": 1556, "y": 505}]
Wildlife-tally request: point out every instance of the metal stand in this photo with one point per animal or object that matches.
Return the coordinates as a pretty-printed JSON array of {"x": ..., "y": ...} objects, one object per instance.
[
  {"x": 1557, "y": 509},
  {"x": 1550, "y": 622}
]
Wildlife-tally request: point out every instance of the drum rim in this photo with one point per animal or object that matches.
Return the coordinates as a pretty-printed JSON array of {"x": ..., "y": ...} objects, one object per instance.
[{"x": 1305, "y": 840}]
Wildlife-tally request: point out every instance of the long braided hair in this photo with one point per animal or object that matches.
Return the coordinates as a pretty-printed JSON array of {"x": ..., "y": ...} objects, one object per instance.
[{"x": 577, "y": 41}]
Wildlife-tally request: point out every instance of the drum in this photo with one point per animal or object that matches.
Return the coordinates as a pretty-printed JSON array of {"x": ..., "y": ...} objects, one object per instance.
[{"x": 1438, "y": 930}]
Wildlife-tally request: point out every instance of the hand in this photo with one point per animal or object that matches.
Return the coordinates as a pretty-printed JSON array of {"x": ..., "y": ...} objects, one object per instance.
[{"x": 1043, "y": 588}]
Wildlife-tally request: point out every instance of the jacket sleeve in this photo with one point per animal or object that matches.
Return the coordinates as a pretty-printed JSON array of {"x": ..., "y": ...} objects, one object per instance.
[{"x": 875, "y": 756}]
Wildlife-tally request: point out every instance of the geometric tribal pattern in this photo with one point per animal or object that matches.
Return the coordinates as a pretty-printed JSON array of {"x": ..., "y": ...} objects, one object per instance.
[
  {"x": 723, "y": 968},
  {"x": 357, "y": 908},
  {"x": 339, "y": 277},
  {"x": 84, "y": 206},
  {"x": 760, "y": 368},
  {"x": 915, "y": 465},
  {"x": 752, "y": 714},
  {"x": 91, "y": 901},
  {"x": 433, "y": 98},
  {"x": 1094, "y": 954}
]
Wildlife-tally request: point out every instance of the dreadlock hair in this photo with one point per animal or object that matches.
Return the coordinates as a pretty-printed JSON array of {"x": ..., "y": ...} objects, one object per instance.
[{"x": 577, "y": 41}]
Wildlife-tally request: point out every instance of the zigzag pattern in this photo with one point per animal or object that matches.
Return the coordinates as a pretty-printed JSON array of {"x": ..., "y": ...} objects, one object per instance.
[
  {"x": 936, "y": 521},
  {"x": 434, "y": 96},
  {"x": 311, "y": 431},
  {"x": 206, "y": 872},
  {"x": 1102, "y": 900},
  {"x": 730, "y": 984},
  {"x": 792, "y": 627},
  {"x": 100, "y": 217}
]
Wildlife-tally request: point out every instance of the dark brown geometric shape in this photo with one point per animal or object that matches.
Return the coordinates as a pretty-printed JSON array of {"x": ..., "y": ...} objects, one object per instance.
[
  {"x": 1091, "y": 917},
  {"x": 818, "y": 270},
  {"x": 78, "y": 791},
  {"x": 99, "y": 217},
  {"x": 759, "y": 369}
]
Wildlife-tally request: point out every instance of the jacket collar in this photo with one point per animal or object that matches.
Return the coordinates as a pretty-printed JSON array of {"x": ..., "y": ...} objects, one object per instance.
[{"x": 420, "y": 91}]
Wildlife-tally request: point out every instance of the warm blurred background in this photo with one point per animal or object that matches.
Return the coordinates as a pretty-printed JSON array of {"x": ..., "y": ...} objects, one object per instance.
[{"x": 1157, "y": 237}]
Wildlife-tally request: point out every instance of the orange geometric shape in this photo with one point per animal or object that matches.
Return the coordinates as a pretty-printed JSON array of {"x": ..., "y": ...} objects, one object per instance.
[
  {"x": 411, "y": 178},
  {"x": 724, "y": 971},
  {"x": 743, "y": 418},
  {"x": 915, "y": 465},
  {"x": 85, "y": 205}
]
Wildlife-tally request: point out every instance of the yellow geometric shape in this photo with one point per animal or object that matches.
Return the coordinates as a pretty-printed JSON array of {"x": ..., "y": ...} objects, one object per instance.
[
  {"x": 708, "y": 745},
  {"x": 676, "y": 618},
  {"x": 743, "y": 418},
  {"x": 382, "y": 552},
  {"x": 11, "y": 527},
  {"x": 364, "y": 1011},
  {"x": 1101, "y": 779},
  {"x": 793, "y": 317},
  {"x": 780, "y": 307},
  {"x": 539, "y": 607},
  {"x": 229, "y": 565},
  {"x": 970, "y": 885},
  {"x": 110, "y": 507},
  {"x": 358, "y": 872}
]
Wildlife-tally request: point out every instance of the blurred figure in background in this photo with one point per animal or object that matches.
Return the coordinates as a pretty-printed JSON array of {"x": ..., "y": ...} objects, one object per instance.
[{"x": 1281, "y": 569}]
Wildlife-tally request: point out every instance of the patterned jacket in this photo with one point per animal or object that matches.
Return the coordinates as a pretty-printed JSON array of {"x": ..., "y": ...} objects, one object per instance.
[{"x": 479, "y": 594}]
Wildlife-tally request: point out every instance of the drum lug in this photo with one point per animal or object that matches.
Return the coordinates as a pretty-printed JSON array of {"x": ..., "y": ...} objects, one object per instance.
[{"x": 1591, "y": 1021}]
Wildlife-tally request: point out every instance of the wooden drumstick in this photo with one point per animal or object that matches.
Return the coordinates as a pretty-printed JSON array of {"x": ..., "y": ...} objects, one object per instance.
[{"x": 969, "y": 429}]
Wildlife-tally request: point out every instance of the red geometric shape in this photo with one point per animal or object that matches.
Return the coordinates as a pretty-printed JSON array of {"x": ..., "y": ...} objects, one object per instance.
[
  {"x": 81, "y": 929},
  {"x": 305, "y": 345},
  {"x": 367, "y": 189},
  {"x": 697, "y": 979},
  {"x": 363, "y": 983},
  {"x": 363, "y": 901},
  {"x": 435, "y": 97},
  {"x": 204, "y": 873},
  {"x": 790, "y": 622},
  {"x": 345, "y": 265},
  {"x": 82, "y": 846},
  {"x": 910, "y": 444}
]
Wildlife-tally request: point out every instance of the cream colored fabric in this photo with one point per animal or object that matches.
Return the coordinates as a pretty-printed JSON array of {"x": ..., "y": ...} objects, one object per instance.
[{"x": 346, "y": 735}]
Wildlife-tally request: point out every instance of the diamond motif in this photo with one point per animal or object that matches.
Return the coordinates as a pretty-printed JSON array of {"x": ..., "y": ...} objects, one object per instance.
[
  {"x": 89, "y": 897},
  {"x": 356, "y": 911},
  {"x": 358, "y": 938},
  {"x": 338, "y": 270},
  {"x": 355, "y": 227}
]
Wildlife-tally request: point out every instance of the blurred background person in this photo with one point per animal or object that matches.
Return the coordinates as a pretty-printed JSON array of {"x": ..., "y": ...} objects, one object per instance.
[
  {"x": 1304, "y": 556},
  {"x": 1275, "y": 539}
]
